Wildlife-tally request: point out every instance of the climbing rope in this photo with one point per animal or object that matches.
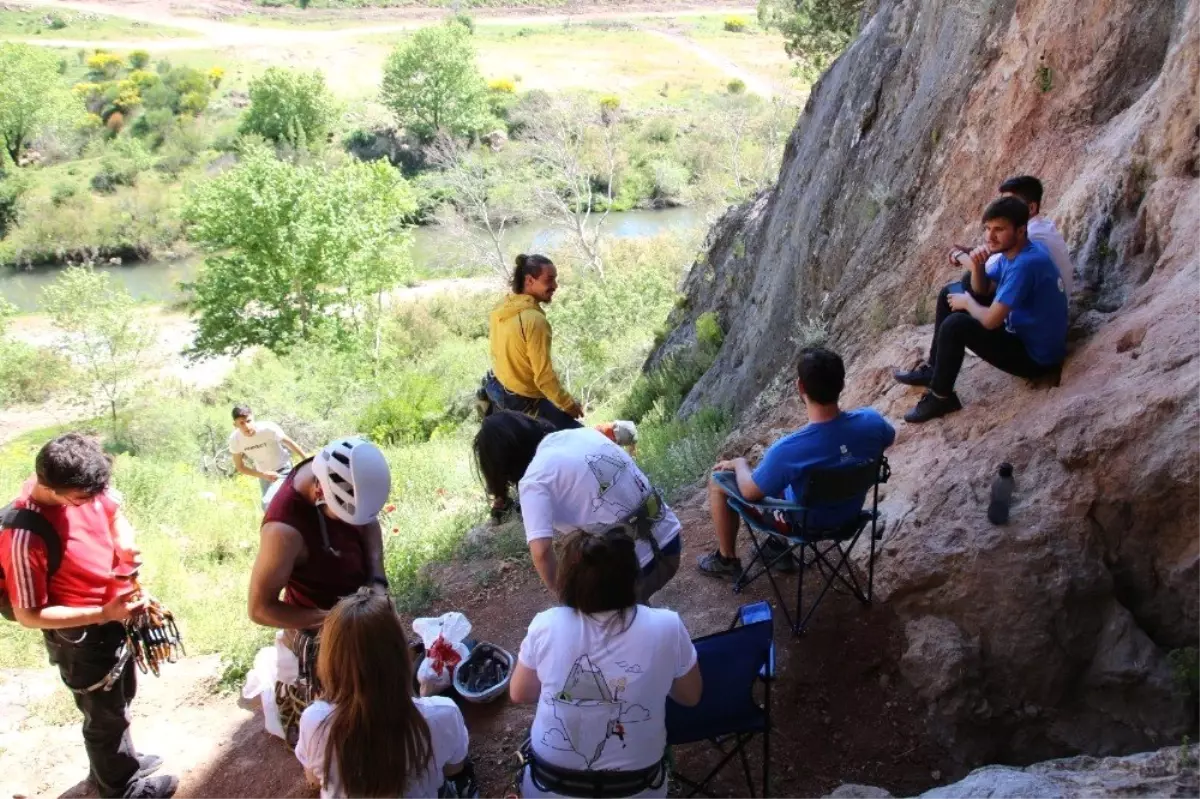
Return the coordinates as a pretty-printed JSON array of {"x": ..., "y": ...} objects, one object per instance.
[{"x": 293, "y": 699}]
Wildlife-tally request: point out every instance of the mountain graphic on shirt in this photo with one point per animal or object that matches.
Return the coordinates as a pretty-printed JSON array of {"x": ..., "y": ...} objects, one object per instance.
[
  {"x": 589, "y": 714},
  {"x": 608, "y": 471}
]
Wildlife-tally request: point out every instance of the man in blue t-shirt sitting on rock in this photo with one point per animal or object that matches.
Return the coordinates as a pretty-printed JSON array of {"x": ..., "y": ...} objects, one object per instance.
[
  {"x": 1023, "y": 331},
  {"x": 831, "y": 438}
]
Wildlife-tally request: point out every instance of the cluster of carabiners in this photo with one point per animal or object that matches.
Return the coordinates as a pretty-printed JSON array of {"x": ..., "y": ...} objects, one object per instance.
[{"x": 152, "y": 637}]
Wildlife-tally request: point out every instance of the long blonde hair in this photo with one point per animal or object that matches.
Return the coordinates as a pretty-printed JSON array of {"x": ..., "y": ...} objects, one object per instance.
[{"x": 376, "y": 733}]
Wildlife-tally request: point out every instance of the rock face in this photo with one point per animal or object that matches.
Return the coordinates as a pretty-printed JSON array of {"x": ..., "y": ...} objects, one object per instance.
[
  {"x": 1047, "y": 636},
  {"x": 1167, "y": 772}
]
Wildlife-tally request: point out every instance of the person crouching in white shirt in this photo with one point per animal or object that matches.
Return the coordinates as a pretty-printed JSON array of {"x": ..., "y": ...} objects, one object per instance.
[
  {"x": 367, "y": 735},
  {"x": 577, "y": 480},
  {"x": 600, "y": 669}
]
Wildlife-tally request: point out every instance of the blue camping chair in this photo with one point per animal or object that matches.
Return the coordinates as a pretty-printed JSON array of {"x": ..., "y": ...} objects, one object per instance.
[
  {"x": 732, "y": 664},
  {"x": 824, "y": 548}
]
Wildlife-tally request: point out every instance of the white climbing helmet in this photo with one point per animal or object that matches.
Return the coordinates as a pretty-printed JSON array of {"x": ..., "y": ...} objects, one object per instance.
[{"x": 354, "y": 479}]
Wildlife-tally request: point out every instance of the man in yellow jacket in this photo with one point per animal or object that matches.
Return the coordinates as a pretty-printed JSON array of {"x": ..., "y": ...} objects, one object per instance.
[{"x": 523, "y": 377}]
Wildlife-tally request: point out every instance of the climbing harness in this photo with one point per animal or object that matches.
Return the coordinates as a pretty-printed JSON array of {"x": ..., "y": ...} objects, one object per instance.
[{"x": 549, "y": 778}]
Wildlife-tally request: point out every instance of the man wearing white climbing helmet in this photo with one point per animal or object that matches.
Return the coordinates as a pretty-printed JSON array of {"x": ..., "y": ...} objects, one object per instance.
[{"x": 320, "y": 538}]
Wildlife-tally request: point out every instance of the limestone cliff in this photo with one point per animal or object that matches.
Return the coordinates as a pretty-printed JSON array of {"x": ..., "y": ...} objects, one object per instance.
[{"x": 1047, "y": 636}]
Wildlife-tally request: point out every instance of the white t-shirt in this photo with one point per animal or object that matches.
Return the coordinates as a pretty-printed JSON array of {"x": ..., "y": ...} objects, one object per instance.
[
  {"x": 579, "y": 479},
  {"x": 604, "y": 692},
  {"x": 447, "y": 734},
  {"x": 1042, "y": 230},
  {"x": 264, "y": 449}
]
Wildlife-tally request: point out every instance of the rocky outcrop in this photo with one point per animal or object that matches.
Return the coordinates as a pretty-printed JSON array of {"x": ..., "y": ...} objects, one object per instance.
[
  {"x": 1048, "y": 636},
  {"x": 1167, "y": 772}
]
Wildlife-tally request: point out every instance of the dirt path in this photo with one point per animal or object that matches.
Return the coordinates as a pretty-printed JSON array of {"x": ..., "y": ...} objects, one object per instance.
[
  {"x": 754, "y": 83},
  {"x": 839, "y": 710},
  {"x": 214, "y": 33}
]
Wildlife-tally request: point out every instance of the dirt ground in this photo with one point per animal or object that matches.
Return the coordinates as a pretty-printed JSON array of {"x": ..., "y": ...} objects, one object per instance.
[{"x": 841, "y": 712}]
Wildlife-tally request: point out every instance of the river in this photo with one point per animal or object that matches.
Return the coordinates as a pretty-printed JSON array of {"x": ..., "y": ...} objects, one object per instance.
[{"x": 158, "y": 280}]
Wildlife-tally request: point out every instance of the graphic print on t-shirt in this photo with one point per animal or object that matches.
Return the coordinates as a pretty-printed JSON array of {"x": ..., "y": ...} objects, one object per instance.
[
  {"x": 609, "y": 471},
  {"x": 592, "y": 711}
]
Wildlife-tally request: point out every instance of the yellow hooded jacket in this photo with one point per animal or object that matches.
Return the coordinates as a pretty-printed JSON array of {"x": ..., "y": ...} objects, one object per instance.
[{"x": 520, "y": 339}]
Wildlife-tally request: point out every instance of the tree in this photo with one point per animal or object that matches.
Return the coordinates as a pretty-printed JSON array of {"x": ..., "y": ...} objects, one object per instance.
[
  {"x": 576, "y": 147},
  {"x": 34, "y": 99},
  {"x": 290, "y": 106},
  {"x": 816, "y": 31},
  {"x": 431, "y": 83},
  {"x": 484, "y": 201},
  {"x": 104, "y": 336},
  {"x": 294, "y": 250}
]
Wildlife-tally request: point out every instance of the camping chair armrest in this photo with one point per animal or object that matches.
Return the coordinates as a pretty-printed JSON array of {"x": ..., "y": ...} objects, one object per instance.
[{"x": 729, "y": 486}]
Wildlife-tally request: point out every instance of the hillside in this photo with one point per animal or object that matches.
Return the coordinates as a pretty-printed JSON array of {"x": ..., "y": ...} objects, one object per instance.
[{"x": 1050, "y": 636}]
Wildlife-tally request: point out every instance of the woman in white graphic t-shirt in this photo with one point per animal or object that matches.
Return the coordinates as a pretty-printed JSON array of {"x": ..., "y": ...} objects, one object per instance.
[
  {"x": 600, "y": 669},
  {"x": 368, "y": 736}
]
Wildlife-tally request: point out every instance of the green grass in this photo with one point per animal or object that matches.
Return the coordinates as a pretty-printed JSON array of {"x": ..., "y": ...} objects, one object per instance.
[
  {"x": 54, "y": 23},
  {"x": 198, "y": 528}
]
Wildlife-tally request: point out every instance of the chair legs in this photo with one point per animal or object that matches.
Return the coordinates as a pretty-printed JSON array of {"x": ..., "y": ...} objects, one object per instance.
[{"x": 832, "y": 562}]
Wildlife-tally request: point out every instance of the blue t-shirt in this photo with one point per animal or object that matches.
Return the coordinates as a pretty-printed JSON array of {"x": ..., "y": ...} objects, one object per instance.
[
  {"x": 852, "y": 438},
  {"x": 1032, "y": 288}
]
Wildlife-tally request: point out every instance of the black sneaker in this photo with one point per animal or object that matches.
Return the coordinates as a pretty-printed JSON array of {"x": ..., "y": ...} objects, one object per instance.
[
  {"x": 714, "y": 564},
  {"x": 163, "y": 787},
  {"x": 931, "y": 407},
  {"x": 921, "y": 376},
  {"x": 772, "y": 550}
]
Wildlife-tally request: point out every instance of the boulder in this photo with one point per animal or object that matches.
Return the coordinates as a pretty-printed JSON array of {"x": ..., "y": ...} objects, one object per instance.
[
  {"x": 1048, "y": 636},
  {"x": 1167, "y": 772}
]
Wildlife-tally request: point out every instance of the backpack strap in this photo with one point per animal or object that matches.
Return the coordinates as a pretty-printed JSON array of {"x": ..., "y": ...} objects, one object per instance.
[{"x": 25, "y": 519}]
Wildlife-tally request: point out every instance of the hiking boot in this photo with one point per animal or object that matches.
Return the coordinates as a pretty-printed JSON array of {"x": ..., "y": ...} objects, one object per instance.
[
  {"x": 921, "y": 376},
  {"x": 162, "y": 787},
  {"x": 931, "y": 406},
  {"x": 771, "y": 550},
  {"x": 147, "y": 766},
  {"x": 714, "y": 564}
]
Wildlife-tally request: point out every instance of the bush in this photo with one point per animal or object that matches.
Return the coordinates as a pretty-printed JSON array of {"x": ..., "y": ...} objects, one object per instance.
[
  {"x": 121, "y": 165},
  {"x": 215, "y": 76},
  {"x": 660, "y": 130},
  {"x": 104, "y": 66},
  {"x": 736, "y": 86},
  {"x": 670, "y": 181},
  {"x": 736, "y": 24},
  {"x": 502, "y": 86},
  {"x": 675, "y": 453},
  {"x": 139, "y": 59},
  {"x": 62, "y": 193},
  {"x": 154, "y": 126},
  {"x": 29, "y": 374},
  {"x": 56, "y": 21},
  {"x": 289, "y": 106},
  {"x": 410, "y": 414},
  {"x": 709, "y": 334}
]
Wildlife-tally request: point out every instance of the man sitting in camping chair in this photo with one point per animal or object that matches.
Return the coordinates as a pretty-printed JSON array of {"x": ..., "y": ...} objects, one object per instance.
[{"x": 831, "y": 438}]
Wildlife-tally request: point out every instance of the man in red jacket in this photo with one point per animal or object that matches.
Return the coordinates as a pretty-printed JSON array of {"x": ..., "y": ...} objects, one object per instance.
[{"x": 79, "y": 603}]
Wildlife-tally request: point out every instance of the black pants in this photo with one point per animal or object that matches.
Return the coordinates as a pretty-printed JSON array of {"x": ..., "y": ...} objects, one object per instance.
[
  {"x": 942, "y": 311},
  {"x": 541, "y": 408},
  {"x": 84, "y": 656},
  {"x": 1003, "y": 350}
]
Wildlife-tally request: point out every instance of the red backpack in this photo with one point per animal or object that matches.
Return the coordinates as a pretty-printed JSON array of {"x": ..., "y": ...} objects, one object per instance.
[{"x": 24, "y": 519}]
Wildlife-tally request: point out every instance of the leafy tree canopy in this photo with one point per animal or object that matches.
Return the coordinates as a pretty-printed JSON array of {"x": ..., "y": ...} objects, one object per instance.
[
  {"x": 294, "y": 249},
  {"x": 431, "y": 82}
]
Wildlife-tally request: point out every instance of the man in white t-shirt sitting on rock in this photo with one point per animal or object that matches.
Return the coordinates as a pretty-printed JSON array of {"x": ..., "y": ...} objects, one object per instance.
[
  {"x": 266, "y": 447},
  {"x": 577, "y": 480}
]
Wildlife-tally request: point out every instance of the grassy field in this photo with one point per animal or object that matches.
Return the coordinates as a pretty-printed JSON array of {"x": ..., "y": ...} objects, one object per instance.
[{"x": 64, "y": 24}]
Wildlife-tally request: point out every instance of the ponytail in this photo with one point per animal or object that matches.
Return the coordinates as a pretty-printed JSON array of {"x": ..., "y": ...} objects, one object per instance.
[{"x": 531, "y": 265}]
